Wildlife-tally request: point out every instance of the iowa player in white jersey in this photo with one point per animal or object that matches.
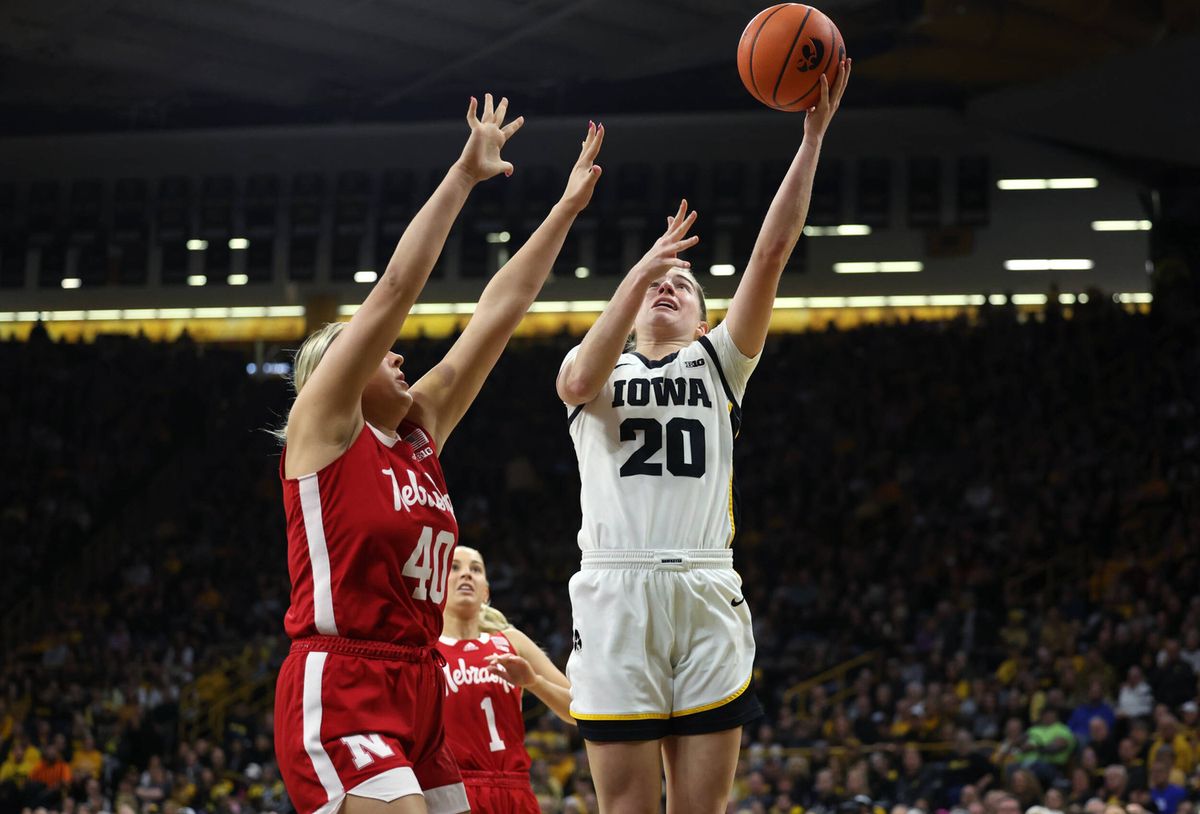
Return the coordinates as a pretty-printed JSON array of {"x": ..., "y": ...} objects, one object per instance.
[{"x": 664, "y": 649}]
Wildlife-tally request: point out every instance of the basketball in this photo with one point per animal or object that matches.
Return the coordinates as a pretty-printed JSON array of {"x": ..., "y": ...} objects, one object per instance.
[{"x": 784, "y": 51}]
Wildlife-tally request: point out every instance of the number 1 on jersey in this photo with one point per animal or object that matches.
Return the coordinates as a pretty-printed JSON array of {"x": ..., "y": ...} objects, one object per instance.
[{"x": 496, "y": 745}]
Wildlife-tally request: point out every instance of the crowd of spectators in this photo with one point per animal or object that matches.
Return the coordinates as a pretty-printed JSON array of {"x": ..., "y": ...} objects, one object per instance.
[{"x": 999, "y": 518}]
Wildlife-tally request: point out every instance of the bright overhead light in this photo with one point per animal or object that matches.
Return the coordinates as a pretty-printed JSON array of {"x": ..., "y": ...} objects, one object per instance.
[
  {"x": 1066, "y": 299},
  {"x": 1022, "y": 183},
  {"x": 285, "y": 310},
  {"x": 1083, "y": 297},
  {"x": 237, "y": 279},
  {"x": 71, "y": 282},
  {"x": 1080, "y": 264},
  {"x": 239, "y": 243},
  {"x": 1121, "y": 225},
  {"x": 1073, "y": 183},
  {"x": 582, "y": 272},
  {"x": 197, "y": 245},
  {"x": 425, "y": 308},
  {"x": 196, "y": 279},
  {"x": 1138, "y": 297},
  {"x": 211, "y": 313},
  {"x": 365, "y": 276},
  {"x": 721, "y": 270},
  {"x": 877, "y": 267},
  {"x": 856, "y": 268},
  {"x": 866, "y": 302},
  {"x": 997, "y": 299},
  {"x": 587, "y": 306},
  {"x": 843, "y": 230},
  {"x": 951, "y": 300},
  {"x": 497, "y": 237},
  {"x": 1029, "y": 299},
  {"x": 826, "y": 302},
  {"x": 104, "y": 314},
  {"x": 1047, "y": 183},
  {"x": 901, "y": 266}
]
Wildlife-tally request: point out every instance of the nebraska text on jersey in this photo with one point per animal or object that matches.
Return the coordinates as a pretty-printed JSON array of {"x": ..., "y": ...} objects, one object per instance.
[
  {"x": 414, "y": 494},
  {"x": 465, "y": 673}
]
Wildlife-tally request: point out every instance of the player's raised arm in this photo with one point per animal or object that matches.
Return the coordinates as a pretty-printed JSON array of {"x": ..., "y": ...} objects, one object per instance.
[
  {"x": 582, "y": 378},
  {"x": 442, "y": 396},
  {"x": 327, "y": 415},
  {"x": 531, "y": 669},
  {"x": 749, "y": 314}
]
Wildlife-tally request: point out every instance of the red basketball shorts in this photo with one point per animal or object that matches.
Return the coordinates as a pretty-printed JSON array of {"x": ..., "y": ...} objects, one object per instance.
[
  {"x": 363, "y": 718},
  {"x": 500, "y": 793}
]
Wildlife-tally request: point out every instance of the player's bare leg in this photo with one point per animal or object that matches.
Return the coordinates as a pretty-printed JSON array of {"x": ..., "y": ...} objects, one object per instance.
[
  {"x": 408, "y": 804},
  {"x": 700, "y": 771},
  {"x": 627, "y": 776}
]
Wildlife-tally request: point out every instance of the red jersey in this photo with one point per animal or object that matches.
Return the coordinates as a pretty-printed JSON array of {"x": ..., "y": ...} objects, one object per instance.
[
  {"x": 484, "y": 724},
  {"x": 370, "y": 538}
]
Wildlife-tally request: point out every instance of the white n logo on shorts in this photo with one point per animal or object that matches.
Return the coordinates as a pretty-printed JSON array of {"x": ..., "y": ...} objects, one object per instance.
[{"x": 360, "y": 745}]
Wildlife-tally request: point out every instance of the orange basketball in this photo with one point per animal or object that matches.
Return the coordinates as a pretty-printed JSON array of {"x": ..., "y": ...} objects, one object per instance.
[{"x": 783, "y": 53}]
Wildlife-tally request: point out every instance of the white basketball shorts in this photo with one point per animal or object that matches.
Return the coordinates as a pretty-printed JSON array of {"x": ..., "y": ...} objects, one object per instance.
[{"x": 663, "y": 645}]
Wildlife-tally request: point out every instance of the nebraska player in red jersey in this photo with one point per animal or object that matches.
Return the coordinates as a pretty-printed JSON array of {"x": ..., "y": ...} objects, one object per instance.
[
  {"x": 488, "y": 663},
  {"x": 358, "y": 707}
]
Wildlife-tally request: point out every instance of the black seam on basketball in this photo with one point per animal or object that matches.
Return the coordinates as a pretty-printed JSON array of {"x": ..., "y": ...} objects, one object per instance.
[
  {"x": 753, "y": 43},
  {"x": 788, "y": 61},
  {"x": 832, "y": 51}
]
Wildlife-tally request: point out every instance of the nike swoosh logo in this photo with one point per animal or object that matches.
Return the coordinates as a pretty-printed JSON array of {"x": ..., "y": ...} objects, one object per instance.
[
  {"x": 622, "y": 364},
  {"x": 738, "y": 601}
]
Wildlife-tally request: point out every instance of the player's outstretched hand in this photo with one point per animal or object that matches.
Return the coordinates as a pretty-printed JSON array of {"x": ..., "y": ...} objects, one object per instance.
[
  {"x": 663, "y": 255},
  {"x": 480, "y": 157},
  {"x": 586, "y": 172},
  {"x": 513, "y": 669},
  {"x": 817, "y": 119}
]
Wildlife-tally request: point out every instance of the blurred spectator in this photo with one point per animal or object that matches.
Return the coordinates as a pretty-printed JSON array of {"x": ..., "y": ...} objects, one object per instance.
[
  {"x": 1135, "y": 699},
  {"x": 1166, "y": 795},
  {"x": 1094, "y": 707}
]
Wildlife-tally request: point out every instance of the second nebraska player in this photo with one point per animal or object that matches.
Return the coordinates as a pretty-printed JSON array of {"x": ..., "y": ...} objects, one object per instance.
[{"x": 488, "y": 664}]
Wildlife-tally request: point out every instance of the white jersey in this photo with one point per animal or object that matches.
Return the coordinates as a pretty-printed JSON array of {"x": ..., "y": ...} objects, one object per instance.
[{"x": 655, "y": 449}]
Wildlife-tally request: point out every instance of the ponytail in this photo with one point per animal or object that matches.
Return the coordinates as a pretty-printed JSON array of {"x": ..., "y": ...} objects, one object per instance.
[{"x": 492, "y": 620}]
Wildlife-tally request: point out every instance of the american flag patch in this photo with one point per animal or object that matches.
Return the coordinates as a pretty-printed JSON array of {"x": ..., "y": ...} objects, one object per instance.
[{"x": 417, "y": 439}]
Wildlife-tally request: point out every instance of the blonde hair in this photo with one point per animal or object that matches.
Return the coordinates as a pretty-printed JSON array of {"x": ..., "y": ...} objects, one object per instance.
[
  {"x": 311, "y": 352},
  {"x": 492, "y": 620}
]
